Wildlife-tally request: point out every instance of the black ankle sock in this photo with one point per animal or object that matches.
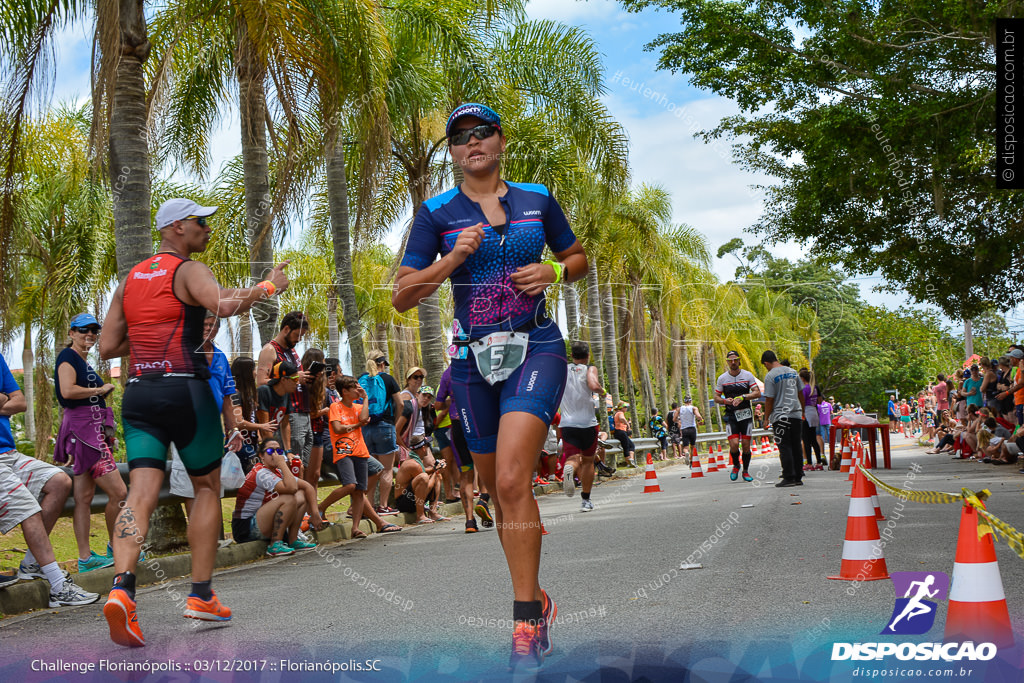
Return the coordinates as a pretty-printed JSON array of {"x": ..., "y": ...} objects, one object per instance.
[
  {"x": 202, "y": 589},
  {"x": 527, "y": 611},
  {"x": 485, "y": 497},
  {"x": 584, "y": 495},
  {"x": 126, "y": 582}
]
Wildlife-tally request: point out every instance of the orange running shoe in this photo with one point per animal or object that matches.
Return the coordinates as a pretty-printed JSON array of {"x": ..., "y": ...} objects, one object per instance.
[
  {"x": 207, "y": 610},
  {"x": 124, "y": 623},
  {"x": 526, "y": 652},
  {"x": 550, "y": 610}
]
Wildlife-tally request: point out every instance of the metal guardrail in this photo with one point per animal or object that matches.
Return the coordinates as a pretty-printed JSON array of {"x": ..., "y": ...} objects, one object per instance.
[{"x": 328, "y": 477}]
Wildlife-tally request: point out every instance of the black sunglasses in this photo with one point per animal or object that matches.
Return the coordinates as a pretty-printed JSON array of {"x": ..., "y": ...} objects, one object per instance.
[
  {"x": 200, "y": 220},
  {"x": 479, "y": 132},
  {"x": 416, "y": 376},
  {"x": 90, "y": 329}
]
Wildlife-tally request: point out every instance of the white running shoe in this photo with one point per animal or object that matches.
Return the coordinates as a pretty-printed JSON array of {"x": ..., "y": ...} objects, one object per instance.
[
  {"x": 586, "y": 505},
  {"x": 568, "y": 485},
  {"x": 72, "y": 594}
]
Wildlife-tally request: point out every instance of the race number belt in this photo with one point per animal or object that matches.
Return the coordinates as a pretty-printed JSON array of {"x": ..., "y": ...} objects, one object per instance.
[
  {"x": 744, "y": 414},
  {"x": 499, "y": 354}
]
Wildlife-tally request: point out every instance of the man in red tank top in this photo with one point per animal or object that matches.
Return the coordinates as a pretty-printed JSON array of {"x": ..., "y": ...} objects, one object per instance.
[{"x": 156, "y": 316}]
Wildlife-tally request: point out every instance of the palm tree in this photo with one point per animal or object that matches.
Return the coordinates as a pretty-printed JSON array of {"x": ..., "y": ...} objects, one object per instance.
[
  {"x": 206, "y": 48},
  {"x": 119, "y": 124},
  {"x": 57, "y": 256}
]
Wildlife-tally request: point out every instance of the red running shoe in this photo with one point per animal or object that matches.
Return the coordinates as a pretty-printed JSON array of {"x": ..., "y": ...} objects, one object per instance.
[{"x": 119, "y": 611}]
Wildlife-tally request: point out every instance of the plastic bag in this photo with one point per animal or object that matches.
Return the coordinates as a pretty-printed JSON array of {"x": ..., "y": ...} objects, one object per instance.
[{"x": 231, "y": 474}]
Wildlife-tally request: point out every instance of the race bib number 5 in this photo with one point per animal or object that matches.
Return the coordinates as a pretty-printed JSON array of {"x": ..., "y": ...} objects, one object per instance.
[{"x": 498, "y": 355}]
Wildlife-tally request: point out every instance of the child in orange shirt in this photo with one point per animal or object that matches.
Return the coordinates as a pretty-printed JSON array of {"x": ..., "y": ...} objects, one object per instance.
[{"x": 346, "y": 418}]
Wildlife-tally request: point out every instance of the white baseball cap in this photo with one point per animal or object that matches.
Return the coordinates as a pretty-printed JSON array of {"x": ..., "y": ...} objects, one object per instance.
[{"x": 179, "y": 209}]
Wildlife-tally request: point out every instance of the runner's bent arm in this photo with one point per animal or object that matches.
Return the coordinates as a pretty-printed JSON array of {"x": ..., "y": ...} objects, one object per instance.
[
  {"x": 534, "y": 278},
  {"x": 593, "y": 381},
  {"x": 412, "y": 286},
  {"x": 201, "y": 288}
]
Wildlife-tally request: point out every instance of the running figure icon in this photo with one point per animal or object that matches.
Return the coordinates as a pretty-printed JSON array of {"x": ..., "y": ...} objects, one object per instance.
[
  {"x": 916, "y": 607},
  {"x": 917, "y": 594}
]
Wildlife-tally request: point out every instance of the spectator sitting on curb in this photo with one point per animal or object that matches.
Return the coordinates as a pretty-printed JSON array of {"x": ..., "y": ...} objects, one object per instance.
[
  {"x": 50, "y": 486},
  {"x": 414, "y": 490},
  {"x": 270, "y": 504}
]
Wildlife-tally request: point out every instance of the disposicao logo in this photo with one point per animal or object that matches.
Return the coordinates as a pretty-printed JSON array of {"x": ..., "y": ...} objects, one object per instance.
[{"x": 914, "y": 613}]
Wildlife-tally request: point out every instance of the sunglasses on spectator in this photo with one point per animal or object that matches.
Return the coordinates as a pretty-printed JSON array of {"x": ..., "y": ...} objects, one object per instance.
[
  {"x": 89, "y": 329},
  {"x": 274, "y": 451},
  {"x": 479, "y": 132},
  {"x": 416, "y": 376},
  {"x": 201, "y": 220}
]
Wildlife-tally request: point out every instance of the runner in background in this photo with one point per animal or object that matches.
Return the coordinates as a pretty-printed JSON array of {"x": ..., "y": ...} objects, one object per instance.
[
  {"x": 689, "y": 417},
  {"x": 735, "y": 389},
  {"x": 579, "y": 423}
]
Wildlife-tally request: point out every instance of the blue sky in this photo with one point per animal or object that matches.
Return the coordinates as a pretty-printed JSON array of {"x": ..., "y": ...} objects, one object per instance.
[{"x": 659, "y": 110}]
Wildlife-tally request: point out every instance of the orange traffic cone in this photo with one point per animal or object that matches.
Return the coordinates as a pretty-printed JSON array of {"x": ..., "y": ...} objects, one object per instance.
[
  {"x": 866, "y": 464},
  {"x": 651, "y": 477},
  {"x": 721, "y": 459},
  {"x": 712, "y": 463},
  {"x": 695, "y": 470},
  {"x": 977, "y": 604},
  {"x": 862, "y": 550},
  {"x": 857, "y": 453},
  {"x": 755, "y": 452},
  {"x": 847, "y": 461}
]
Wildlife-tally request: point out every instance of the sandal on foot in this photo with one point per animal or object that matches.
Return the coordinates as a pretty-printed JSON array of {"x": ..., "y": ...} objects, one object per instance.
[
  {"x": 358, "y": 533},
  {"x": 389, "y": 528}
]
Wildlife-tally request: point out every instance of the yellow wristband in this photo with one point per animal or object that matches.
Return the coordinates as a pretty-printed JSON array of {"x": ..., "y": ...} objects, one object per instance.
[
  {"x": 268, "y": 287},
  {"x": 559, "y": 270}
]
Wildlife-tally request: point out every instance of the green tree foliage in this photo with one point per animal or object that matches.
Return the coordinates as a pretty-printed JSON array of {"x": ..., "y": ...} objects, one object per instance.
[{"x": 878, "y": 121}]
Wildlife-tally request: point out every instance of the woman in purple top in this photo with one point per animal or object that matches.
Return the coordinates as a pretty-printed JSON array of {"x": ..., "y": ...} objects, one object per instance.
[
  {"x": 811, "y": 440},
  {"x": 86, "y": 437}
]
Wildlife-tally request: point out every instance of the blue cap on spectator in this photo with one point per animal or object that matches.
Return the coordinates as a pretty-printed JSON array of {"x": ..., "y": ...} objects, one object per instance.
[
  {"x": 1016, "y": 353},
  {"x": 481, "y": 111},
  {"x": 84, "y": 320}
]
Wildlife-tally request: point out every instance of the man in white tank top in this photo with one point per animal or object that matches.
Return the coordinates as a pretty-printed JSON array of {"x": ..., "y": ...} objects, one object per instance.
[
  {"x": 579, "y": 423},
  {"x": 688, "y": 417}
]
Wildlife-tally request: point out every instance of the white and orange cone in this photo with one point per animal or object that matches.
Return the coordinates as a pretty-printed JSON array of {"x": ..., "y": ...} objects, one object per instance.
[
  {"x": 695, "y": 470},
  {"x": 862, "y": 549},
  {"x": 651, "y": 477},
  {"x": 866, "y": 464},
  {"x": 857, "y": 454},
  {"x": 847, "y": 461},
  {"x": 977, "y": 603},
  {"x": 712, "y": 462},
  {"x": 755, "y": 452}
]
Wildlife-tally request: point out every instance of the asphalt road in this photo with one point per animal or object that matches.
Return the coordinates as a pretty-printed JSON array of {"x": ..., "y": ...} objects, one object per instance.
[{"x": 760, "y": 607}]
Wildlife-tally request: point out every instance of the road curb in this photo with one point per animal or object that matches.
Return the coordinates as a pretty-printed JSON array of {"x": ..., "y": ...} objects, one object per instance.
[{"x": 26, "y": 596}]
